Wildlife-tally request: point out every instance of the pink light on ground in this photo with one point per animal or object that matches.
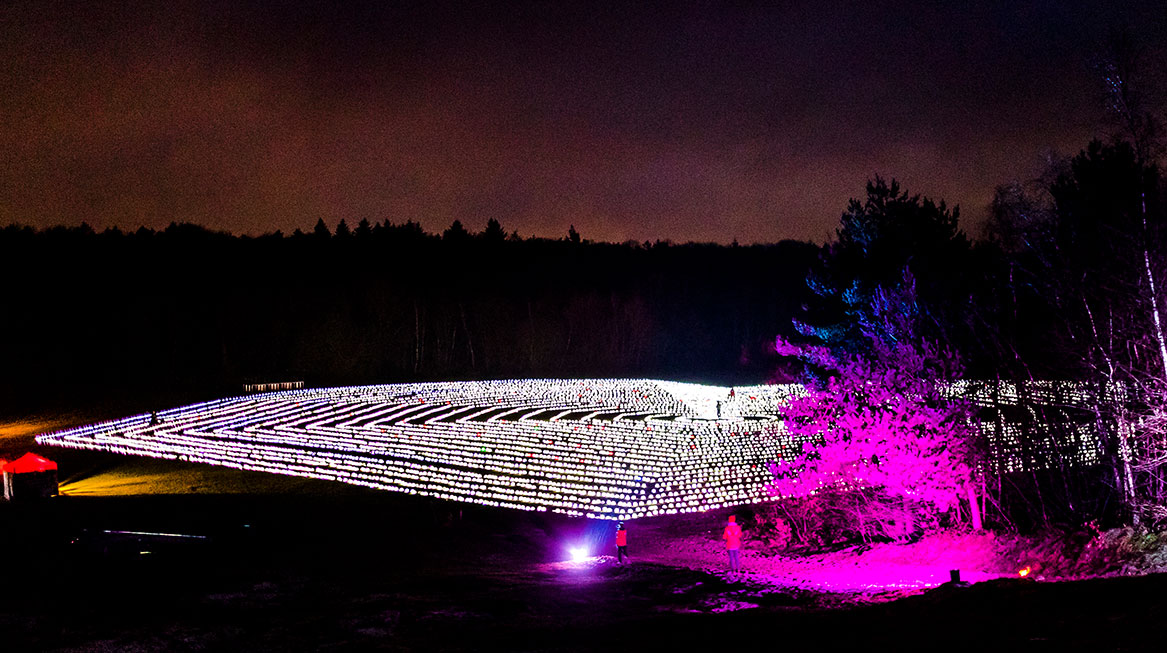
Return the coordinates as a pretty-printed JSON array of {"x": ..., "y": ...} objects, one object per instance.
[
  {"x": 880, "y": 567},
  {"x": 869, "y": 577}
]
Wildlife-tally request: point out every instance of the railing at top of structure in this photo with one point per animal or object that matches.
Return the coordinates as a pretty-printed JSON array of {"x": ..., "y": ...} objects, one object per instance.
[{"x": 272, "y": 387}]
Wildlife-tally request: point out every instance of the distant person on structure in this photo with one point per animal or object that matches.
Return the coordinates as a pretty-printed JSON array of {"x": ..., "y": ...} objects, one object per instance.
[
  {"x": 621, "y": 544},
  {"x": 733, "y": 543}
]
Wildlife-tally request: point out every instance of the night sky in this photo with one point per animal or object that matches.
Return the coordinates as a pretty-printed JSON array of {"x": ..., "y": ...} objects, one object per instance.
[{"x": 681, "y": 121}]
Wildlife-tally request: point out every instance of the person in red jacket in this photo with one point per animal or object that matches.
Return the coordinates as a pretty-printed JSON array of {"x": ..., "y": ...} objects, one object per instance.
[
  {"x": 621, "y": 544},
  {"x": 733, "y": 543}
]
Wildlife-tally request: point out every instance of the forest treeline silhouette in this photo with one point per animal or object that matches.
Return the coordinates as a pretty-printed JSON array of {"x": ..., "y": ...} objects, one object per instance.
[
  {"x": 186, "y": 309},
  {"x": 1057, "y": 288}
]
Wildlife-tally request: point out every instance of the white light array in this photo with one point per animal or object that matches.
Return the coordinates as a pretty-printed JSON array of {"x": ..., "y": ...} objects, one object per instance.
[
  {"x": 616, "y": 449},
  {"x": 1067, "y": 436},
  {"x": 1013, "y": 449},
  {"x": 1052, "y": 393}
]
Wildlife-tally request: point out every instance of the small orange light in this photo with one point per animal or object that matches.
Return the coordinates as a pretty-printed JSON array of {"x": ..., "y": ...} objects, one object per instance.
[{"x": 1023, "y": 572}]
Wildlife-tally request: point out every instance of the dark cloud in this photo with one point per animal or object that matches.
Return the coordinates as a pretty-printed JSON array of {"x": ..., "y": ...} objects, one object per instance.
[{"x": 685, "y": 121}]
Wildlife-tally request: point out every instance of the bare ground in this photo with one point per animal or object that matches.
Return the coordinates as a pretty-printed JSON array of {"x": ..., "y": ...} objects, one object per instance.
[{"x": 291, "y": 564}]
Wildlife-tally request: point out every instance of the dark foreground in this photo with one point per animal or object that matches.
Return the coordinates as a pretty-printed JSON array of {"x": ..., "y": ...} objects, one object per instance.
[
  {"x": 324, "y": 566},
  {"x": 360, "y": 571}
]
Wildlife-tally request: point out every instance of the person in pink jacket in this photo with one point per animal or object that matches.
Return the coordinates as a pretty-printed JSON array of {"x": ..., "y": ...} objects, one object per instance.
[
  {"x": 621, "y": 544},
  {"x": 733, "y": 543}
]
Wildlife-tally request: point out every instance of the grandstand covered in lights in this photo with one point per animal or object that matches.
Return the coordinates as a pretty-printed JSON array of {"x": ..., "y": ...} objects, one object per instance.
[
  {"x": 611, "y": 449},
  {"x": 614, "y": 449}
]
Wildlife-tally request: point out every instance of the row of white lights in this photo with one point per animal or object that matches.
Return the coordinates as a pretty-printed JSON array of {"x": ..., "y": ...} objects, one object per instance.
[{"x": 616, "y": 449}]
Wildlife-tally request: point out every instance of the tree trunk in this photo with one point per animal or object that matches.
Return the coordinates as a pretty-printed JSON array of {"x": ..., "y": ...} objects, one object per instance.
[
  {"x": 974, "y": 508},
  {"x": 416, "y": 338},
  {"x": 466, "y": 328},
  {"x": 1159, "y": 336},
  {"x": 531, "y": 340},
  {"x": 1125, "y": 454}
]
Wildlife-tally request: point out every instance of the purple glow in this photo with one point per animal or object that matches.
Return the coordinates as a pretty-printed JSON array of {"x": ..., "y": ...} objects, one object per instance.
[
  {"x": 880, "y": 422},
  {"x": 884, "y": 567},
  {"x": 873, "y": 578}
]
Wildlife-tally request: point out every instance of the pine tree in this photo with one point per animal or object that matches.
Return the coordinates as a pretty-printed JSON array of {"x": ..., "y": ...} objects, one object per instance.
[{"x": 321, "y": 230}]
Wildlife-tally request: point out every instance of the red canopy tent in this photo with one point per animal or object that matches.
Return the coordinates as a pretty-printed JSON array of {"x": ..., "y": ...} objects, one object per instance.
[
  {"x": 30, "y": 476},
  {"x": 29, "y": 462}
]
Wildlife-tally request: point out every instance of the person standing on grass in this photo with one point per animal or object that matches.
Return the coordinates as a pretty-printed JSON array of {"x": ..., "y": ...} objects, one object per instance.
[
  {"x": 621, "y": 544},
  {"x": 733, "y": 543}
]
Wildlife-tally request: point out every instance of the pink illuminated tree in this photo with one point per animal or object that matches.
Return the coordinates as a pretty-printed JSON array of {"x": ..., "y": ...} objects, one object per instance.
[{"x": 886, "y": 446}]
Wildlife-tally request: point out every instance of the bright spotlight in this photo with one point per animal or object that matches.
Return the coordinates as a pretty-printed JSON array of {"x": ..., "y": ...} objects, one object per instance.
[
  {"x": 1024, "y": 572},
  {"x": 578, "y": 553}
]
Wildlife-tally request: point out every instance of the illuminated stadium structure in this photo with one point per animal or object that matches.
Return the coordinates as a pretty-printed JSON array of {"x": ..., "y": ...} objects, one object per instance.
[{"x": 613, "y": 449}]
